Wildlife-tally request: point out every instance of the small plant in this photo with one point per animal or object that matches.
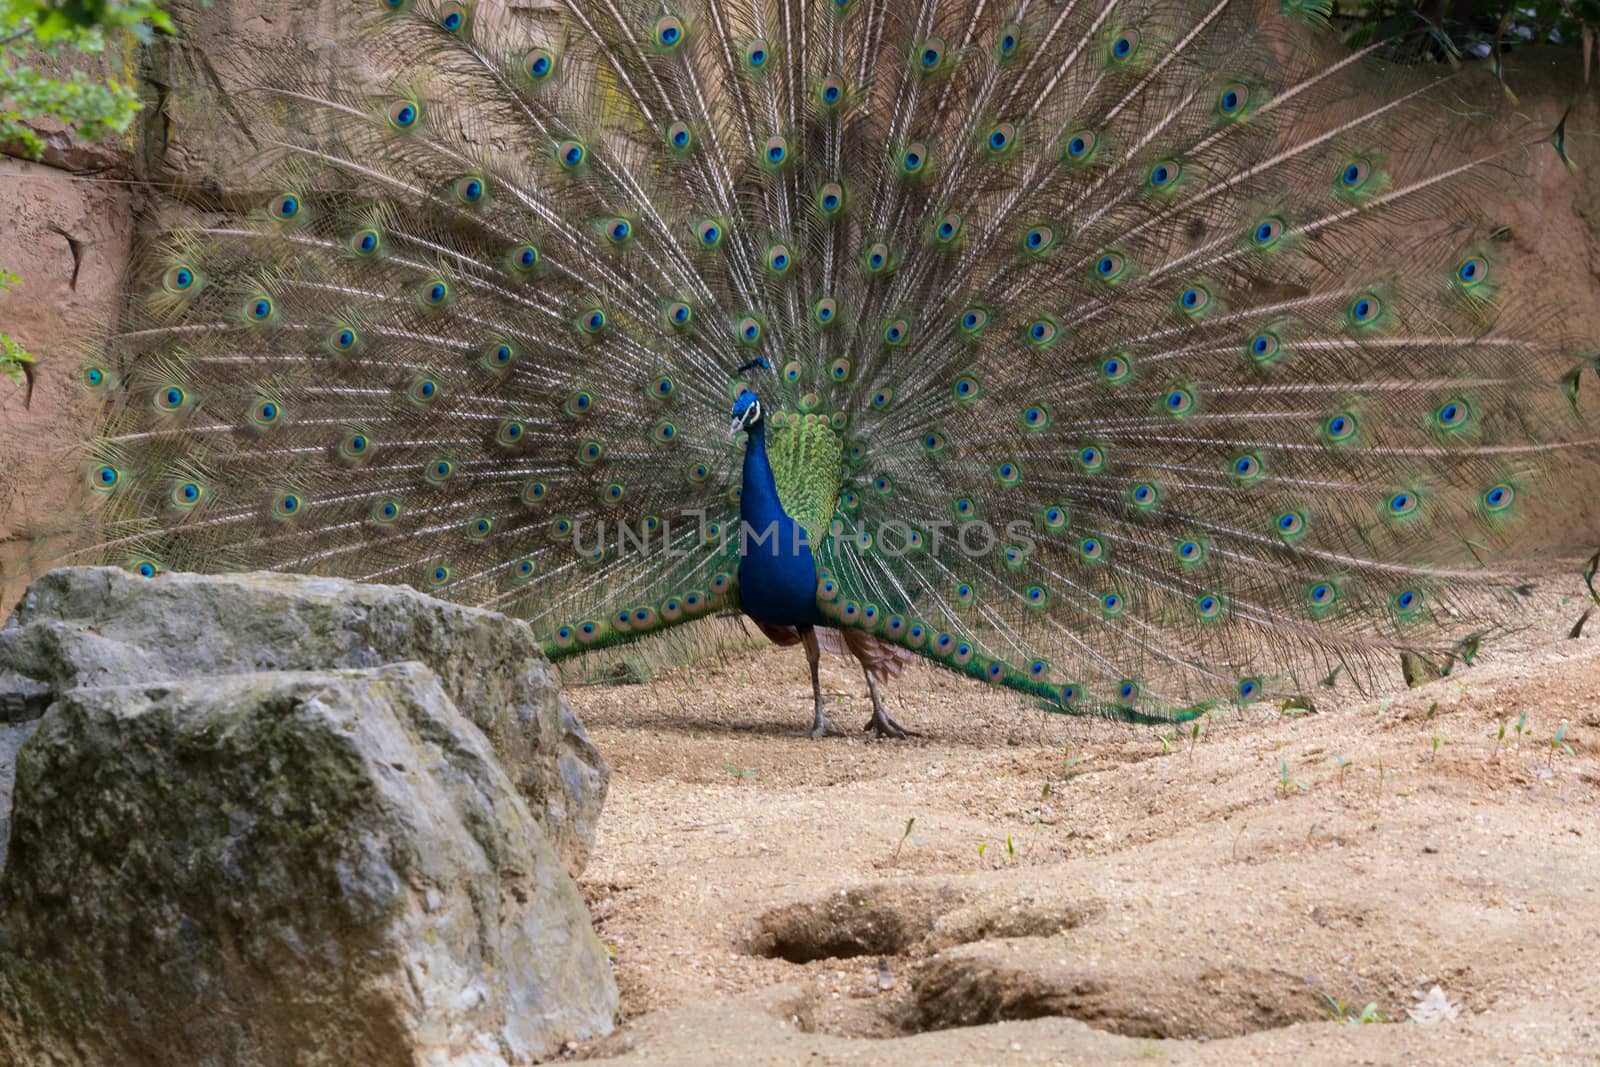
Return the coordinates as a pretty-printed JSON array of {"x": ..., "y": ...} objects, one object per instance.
[
  {"x": 1438, "y": 743},
  {"x": 1337, "y": 1011},
  {"x": 1011, "y": 850},
  {"x": 983, "y": 846},
  {"x": 1500, "y": 739},
  {"x": 1343, "y": 765},
  {"x": 1287, "y": 784},
  {"x": 1166, "y": 739},
  {"x": 1558, "y": 743},
  {"x": 1522, "y": 725},
  {"x": 1194, "y": 736},
  {"x": 740, "y": 773},
  {"x": 906, "y": 836}
]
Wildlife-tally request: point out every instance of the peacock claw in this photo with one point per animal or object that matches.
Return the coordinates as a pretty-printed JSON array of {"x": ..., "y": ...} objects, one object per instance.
[
  {"x": 884, "y": 727},
  {"x": 818, "y": 731}
]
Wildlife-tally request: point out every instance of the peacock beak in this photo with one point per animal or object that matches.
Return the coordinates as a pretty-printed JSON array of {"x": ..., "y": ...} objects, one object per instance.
[{"x": 738, "y": 424}]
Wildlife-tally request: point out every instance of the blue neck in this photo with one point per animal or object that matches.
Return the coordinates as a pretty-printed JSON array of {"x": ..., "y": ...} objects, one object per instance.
[
  {"x": 777, "y": 572},
  {"x": 759, "y": 504}
]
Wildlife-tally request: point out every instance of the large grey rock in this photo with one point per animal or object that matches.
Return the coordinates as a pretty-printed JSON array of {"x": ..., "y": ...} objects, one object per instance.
[
  {"x": 99, "y": 626},
  {"x": 295, "y": 868}
]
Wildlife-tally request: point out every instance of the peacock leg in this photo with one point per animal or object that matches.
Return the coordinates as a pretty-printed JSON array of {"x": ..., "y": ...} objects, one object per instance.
[
  {"x": 819, "y": 725},
  {"x": 881, "y": 724}
]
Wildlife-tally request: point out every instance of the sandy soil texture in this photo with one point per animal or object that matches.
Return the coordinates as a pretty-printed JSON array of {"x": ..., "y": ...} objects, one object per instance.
[{"x": 1076, "y": 891}]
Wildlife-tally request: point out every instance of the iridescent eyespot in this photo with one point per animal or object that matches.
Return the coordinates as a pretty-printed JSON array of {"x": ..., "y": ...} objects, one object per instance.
[
  {"x": 355, "y": 446},
  {"x": 756, "y": 54},
  {"x": 973, "y": 320},
  {"x": 366, "y": 243},
  {"x": 947, "y": 229},
  {"x": 1080, "y": 145},
  {"x": 1010, "y": 38},
  {"x": 933, "y": 441},
  {"x": 185, "y": 495},
  {"x": 1365, "y": 309},
  {"x": 779, "y": 259},
  {"x": 1109, "y": 267},
  {"x": 539, "y": 63},
  {"x": 1164, "y": 174},
  {"x": 1125, "y": 45},
  {"x": 618, "y": 230},
  {"x": 1115, "y": 369},
  {"x": 285, "y": 207},
  {"x": 1091, "y": 459},
  {"x": 95, "y": 377},
  {"x": 825, "y": 310},
  {"x": 178, "y": 280},
  {"x": 1001, "y": 138},
  {"x": 105, "y": 478},
  {"x": 1208, "y": 605},
  {"x": 830, "y": 198},
  {"x": 385, "y": 512},
  {"x": 1111, "y": 604},
  {"x": 1355, "y": 174},
  {"x": 1471, "y": 272},
  {"x": 1245, "y": 467},
  {"x": 748, "y": 330},
  {"x": 876, "y": 258},
  {"x": 439, "y": 471},
  {"x": 1091, "y": 548},
  {"x": 776, "y": 151},
  {"x": 1190, "y": 551},
  {"x": 679, "y": 314},
  {"x": 1144, "y": 495},
  {"x": 1340, "y": 428},
  {"x": 662, "y": 387},
  {"x": 669, "y": 32},
  {"x": 424, "y": 390},
  {"x": 288, "y": 504},
  {"x": 914, "y": 157},
  {"x": 499, "y": 356},
  {"x": 1232, "y": 99},
  {"x": 1263, "y": 347},
  {"x": 571, "y": 154},
  {"x": 592, "y": 321},
  {"x": 438, "y": 576},
  {"x": 524, "y": 258},
  {"x": 452, "y": 16},
  {"x": 266, "y": 413},
  {"x": 1038, "y": 239},
  {"x": 469, "y": 190},
  {"x": 931, "y": 55},
  {"x": 1194, "y": 299},
  {"x": 1452, "y": 415},
  {"x": 1040, "y": 332},
  {"x": 403, "y": 114},
  {"x": 896, "y": 332},
  {"x": 1321, "y": 594},
  {"x": 1036, "y": 417},
  {"x": 146, "y": 569},
  {"x": 1179, "y": 402},
  {"x": 435, "y": 292},
  {"x": 1267, "y": 232},
  {"x": 1499, "y": 497},
  {"x": 1290, "y": 524},
  {"x": 1402, "y": 503},
  {"x": 1248, "y": 689},
  {"x": 171, "y": 398},
  {"x": 709, "y": 233},
  {"x": 1408, "y": 602},
  {"x": 966, "y": 387},
  {"x": 259, "y": 309},
  {"x": 830, "y": 92}
]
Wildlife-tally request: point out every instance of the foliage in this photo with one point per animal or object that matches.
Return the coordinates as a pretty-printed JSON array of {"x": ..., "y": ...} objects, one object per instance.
[
  {"x": 1463, "y": 27},
  {"x": 12, "y": 355},
  {"x": 91, "y": 108}
]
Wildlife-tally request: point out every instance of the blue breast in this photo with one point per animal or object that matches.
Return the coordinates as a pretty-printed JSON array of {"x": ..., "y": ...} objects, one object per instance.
[{"x": 777, "y": 573}]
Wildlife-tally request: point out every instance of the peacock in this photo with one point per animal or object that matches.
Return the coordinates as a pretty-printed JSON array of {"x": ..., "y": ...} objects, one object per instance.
[{"x": 1144, "y": 358}]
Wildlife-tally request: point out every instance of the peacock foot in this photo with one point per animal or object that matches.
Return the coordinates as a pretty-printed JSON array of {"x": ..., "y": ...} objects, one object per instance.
[
  {"x": 881, "y": 725},
  {"x": 820, "y": 728}
]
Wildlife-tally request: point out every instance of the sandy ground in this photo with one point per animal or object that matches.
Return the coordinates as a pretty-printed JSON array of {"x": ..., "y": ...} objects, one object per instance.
[{"x": 1078, "y": 891}]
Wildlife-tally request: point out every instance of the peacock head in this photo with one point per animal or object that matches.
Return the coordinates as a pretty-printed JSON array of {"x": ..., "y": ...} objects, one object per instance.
[{"x": 746, "y": 412}]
